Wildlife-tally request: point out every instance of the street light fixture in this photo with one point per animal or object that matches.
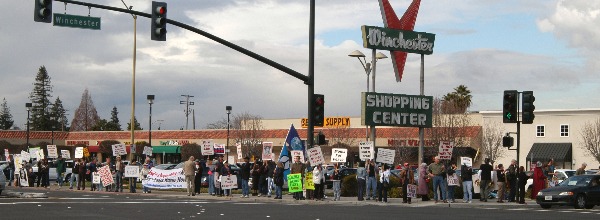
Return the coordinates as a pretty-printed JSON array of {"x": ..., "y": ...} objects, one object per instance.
[
  {"x": 150, "y": 101},
  {"x": 28, "y": 106},
  {"x": 228, "y": 110}
]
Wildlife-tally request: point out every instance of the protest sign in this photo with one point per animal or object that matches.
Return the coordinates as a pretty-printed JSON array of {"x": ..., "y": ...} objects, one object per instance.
[
  {"x": 95, "y": 178},
  {"x": 65, "y": 154},
  {"x": 445, "y": 150},
  {"x": 294, "y": 182},
  {"x": 33, "y": 153},
  {"x": 115, "y": 150},
  {"x": 132, "y": 149},
  {"x": 147, "y": 151},
  {"x": 385, "y": 156},
  {"x": 6, "y": 154},
  {"x": 308, "y": 181},
  {"x": 207, "y": 148},
  {"x": 452, "y": 180},
  {"x": 219, "y": 148},
  {"x": 229, "y": 182},
  {"x": 476, "y": 185},
  {"x": 52, "y": 151},
  {"x": 366, "y": 150},
  {"x": 240, "y": 155},
  {"x": 23, "y": 177},
  {"x": 316, "y": 156},
  {"x": 298, "y": 153},
  {"x": 18, "y": 162},
  {"x": 267, "y": 150},
  {"x": 231, "y": 159},
  {"x": 25, "y": 156},
  {"x": 338, "y": 155},
  {"x": 132, "y": 171},
  {"x": 86, "y": 152},
  {"x": 105, "y": 175},
  {"x": 466, "y": 161},
  {"x": 79, "y": 152},
  {"x": 411, "y": 191},
  {"x": 165, "y": 179},
  {"x": 40, "y": 154}
]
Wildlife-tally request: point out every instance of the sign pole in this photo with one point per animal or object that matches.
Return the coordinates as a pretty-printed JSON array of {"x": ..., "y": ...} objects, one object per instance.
[
  {"x": 421, "y": 129},
  {"x": 374, "y": 62}
]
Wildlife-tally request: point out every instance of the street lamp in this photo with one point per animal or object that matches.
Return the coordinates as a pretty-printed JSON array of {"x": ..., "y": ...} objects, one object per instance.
[
  {"x": 228, "y": 110},
  {"x": 28, "y": 106},
  {"x": 150, "y": 101},
  {"x": 367, "y": 66}
]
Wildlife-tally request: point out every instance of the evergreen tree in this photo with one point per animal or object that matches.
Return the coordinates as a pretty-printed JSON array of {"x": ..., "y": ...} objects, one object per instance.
[
  {"x": 58, "y": 113},
  {"x": 101, "y": 125},
  {"x": 6, "y": 121},
  {"x": 40, "y": 116},
  {"x": 113, "y": 124},
  {"x": 86, "y": 115},
  {"x": 137, "y": 125}
]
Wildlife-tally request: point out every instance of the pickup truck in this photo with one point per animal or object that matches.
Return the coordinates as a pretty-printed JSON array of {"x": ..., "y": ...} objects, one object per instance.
[{"x": 53, "y": 174}]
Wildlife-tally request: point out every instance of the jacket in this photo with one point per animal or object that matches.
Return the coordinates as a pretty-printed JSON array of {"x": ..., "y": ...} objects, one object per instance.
[
  {"x": 318, "y": 176},
  {"x": 361, "y": 173},
  {"x": 407, "y": 176},
  {"x": 297, "y": 168},
  {"x": 245, "y": 171},
  {"x": 278, "y": 176},
  {"x": 189, "y": 168}
]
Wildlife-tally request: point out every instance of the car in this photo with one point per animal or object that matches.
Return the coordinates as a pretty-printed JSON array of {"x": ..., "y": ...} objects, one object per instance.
[
  {"x": 2, "y": 177},
  {"x": 52, "y": 171},
  {"x": 344, "y": 172},
  {"x": 592, "y": 171},
  {"x": 165, "y": 166},
  {"x": 561, "y": 174},
  {"x": 582, "y": 191}
]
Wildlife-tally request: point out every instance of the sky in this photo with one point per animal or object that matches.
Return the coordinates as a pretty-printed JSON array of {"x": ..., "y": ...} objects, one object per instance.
[{"x": 550, "y": 47}]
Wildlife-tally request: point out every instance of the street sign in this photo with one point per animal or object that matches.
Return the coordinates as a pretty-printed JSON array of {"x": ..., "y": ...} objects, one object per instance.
[
  {"x": 76, "y": 21},
  {"x": 399, "y": 110}
]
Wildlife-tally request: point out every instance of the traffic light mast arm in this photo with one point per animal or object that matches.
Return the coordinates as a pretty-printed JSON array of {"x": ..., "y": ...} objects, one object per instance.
[{"x": 260, "y": 58}]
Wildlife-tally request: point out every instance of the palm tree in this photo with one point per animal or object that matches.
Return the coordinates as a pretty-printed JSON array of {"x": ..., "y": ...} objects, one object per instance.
[{"x": 459, "y": 100}]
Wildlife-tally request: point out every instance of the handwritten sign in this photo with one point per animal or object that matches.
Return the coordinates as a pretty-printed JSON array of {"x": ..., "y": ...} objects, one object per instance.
[
  {"x": 34, "y": 153},
  {"x": 298, "y": 153},
  {"x": 147, "y": 151},
  {"x": 25, "y": 156},
  {"x": 132, "y": 171},
  {"x": 411, "y": 191},
  {"x": 366, "y": 150},
  {"x": 267, "y": 150},
  {"x": 240, "y": 155},
  {"x": 207, "y": 148},
  {"x": 385, "y": 156},
  {"x": 95, "y": 178},
  {"x": 294, "y": 182},
  {"x": 229, "y": 182},
  {"x": 466, "y": 161},
  {"x": 52, "y": 151},
  {"x": 219, "y": 148},
  {"x": 316, "y": 156},
  {"x": 118, "y": 149},
  {"x": 79, "y": 152},
  {"x": 105, "y": 175},
  {"x": 452, "y": 180},
  {"x": 445, "y": 152},
  {"x": 165, "y": 179},
  {"x": 65, "y": 154},
  {"x": 338, "y": 155},
  {"x": 308, "y": 181}
]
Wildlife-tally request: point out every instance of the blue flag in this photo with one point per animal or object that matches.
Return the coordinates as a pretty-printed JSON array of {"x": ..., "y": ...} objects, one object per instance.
[{"x": 292, "y": 142}]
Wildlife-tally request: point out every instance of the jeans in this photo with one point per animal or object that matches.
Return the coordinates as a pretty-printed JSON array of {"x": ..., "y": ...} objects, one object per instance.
[
  {"x": 438, "y": 183},
  {"x": 277, "y": 191},
  {"x": 59, "y": 178},
  {"x": 485, "y": 189},
  {"x": 74, "y": 179},
  {"x": 336, "y": 190},
  {"x": 371, "y": 186},
  {"x": 132, "y": 184},
  {"x": 211, "y": 184},
  {"x": 467, "y": 190},
  {"x": 11, "y": 177},
  {"x": 269, "y": 185},
  {"x": 189, "y": 180},
  {"x": 405, "y": 197},
  {"x": 361, "y": 188},
  {"x": 245, "y": 188},
  {"x": 450, "y": 195}
]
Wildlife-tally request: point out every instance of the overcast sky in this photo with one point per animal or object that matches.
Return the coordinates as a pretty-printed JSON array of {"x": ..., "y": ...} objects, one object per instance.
[{"x": 548, "y": 46}]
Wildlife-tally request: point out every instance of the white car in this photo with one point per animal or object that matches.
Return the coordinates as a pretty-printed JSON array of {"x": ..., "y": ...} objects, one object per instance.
[
  {"x": 2, "y": 177},
  {"x": 559, "y": 174},
  {"x": 52, "y": 172}
]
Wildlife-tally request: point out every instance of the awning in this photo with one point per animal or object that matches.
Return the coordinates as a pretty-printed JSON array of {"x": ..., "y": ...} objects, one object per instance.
[
  {"x": 560, "y": 152},
  {"x": 166, "y": 149}
]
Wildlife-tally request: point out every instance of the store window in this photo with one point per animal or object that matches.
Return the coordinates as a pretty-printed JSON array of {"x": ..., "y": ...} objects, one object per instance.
[{"x": 540, "y": 131}]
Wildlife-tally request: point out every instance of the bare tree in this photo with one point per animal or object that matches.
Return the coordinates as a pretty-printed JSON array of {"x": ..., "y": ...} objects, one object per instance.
[
  {"x": 247, "y": 129},
  {"x": 340, "y": 135},
  {"x": 220, "y": 124},
  {"x": 590, "y": 139},
  {"x": 403, "y": 151},
  {"x": 86, "y": 115},
  {"x": 491, "y": 139},
  {"x": 449, "y": 124}
]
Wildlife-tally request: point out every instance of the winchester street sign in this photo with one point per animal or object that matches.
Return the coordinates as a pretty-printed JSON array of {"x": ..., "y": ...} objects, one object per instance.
[
  {"x": 399, "y": 110},
  {"x": 76, "y": 21},
  {"x": 393, "y": 39}
]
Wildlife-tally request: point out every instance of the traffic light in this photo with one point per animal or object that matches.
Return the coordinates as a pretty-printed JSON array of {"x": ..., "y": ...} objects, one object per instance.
[
  {"x": 508, "y": 141},
  {"x": 318, "y": 109},
  {"x": 159, "y": 21},
  {"x": 528, "y": 107},
  {"x": 320, "y": 139},
  {"x": 42, "y": 11},
  {"x": 509, "y": 108}
]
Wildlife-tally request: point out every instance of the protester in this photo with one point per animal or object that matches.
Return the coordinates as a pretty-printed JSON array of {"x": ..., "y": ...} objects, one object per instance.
[
  {"x": 361, "y": 175},
  {"x": 144, "y": 173},
  {"x": 511, "y": 180},
  {"x": 423, "y": 188},
  {"x": 119, "y": 171},
  {"x": 198, "y": 177},
  {"x": 44, "y": 171},
  {"x": 211, "y": 177},
  {"x": 539, "y": 180},
  {"x": 60, "y": 170},
  {"x": 111, "y": 167},
  {"x": 245, "y": 175},
  {"x": 217, "y": 174},
  {"x": 549, "y": 169},
  {"x": 467, "y": 182},
  {"x": 11, "y": 170},
  {"x": 436, "y": 172},
  {"x": 451, "y": 182},
  {"x": 74, "y": 175},
  {"x": 371, "y": 178},
  {"x": 225, "y": 171},
  {"x": 189, "y": 170},
  {"x": 270, "y": 168},
  {"x": 262, "y": 182},
  {"x": 297, "y": 168},
  {"x": 255, "y": 178},
  {"x": 522, "y": 178},
  {"x": 133, "y": 180},
  {"x": 93, "y": 168},
  {"x": 485, "y": 179},
  {"x": 501, "y": 183},
  {"x": 82, "y": 172},
  {"x": 318, "y": 180},
  {"x": 277, "y": 180},
  {"x": 384, "y": 179},
  {"x": 309, "y": 193},
  {"x": 581, "y": 170},
  {"x": 407, "y": 177},
  {"x": 336, "y": 180}
]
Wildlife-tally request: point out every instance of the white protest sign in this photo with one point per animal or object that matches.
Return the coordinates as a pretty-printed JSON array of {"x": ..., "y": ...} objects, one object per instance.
[
  {"x": 338, "y": 155},
  {"x": 219, "y": 148},
  {"x": 207, "y": 148},
  {"x": 79, "y": 152},
  {"x": 445, "y": 152},
  {"x": 18, "y": 161},
  {"x": 33, "y": 153},
  {"x": 40, "y": 154},
  {"x": 267, "y": 150},
  {"x": 385, "y": 156},
  {"x": 132, "y": 171},
  {"x": 366, "y": 150},
  {"x": 476, "y": 183},
  {"x": 165, "y": 179},
  {"x": 452, "y": 180},
  {"x": 298, "y": 153},
  {"x": 148, "y": 151},
  {"x": 122, "y": 149},
  {"x": 95, "y": 178},
  {"x": 52, "y": 152},
  {"x": 466, "y": 161},
  {"x": 240, "y": 155},
  {"x": 231, "y": 159},
  {"x": 105, "y": 175},
  {"x": 65, "y": 154},
  {"x": 316, "y": 156},
  {"x": 25, "y": 156},
  {"x": 115, "y": 150},
  {"x": 6, "y": 154},
  {"x": 411, "y": 191},
  {"x": 229, "y": 182}
]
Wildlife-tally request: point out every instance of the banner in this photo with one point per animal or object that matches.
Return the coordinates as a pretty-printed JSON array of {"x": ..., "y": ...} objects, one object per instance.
[
  {"x": 65, "y": 154},
  {"x": 411, "y": 191},
  {"x": 294, "y": 182},
  {"x": 338, "y": 155},
  {"x": 366, "y": 150},
  {"x": 308, "y": 181},
  {"x": 219, "y": 148},
  {"x": 445, "y": 152},
  {"x": 316, "y": 156},
  {"x": 240, "y": 155},
  {"x": 385, "y": 156},
  {"x": 132, "y": 171},
  {"x": 40, "y": 154},
  {"x": 298, "y": 153},
  {"x": 79, "y": 152},
  {"x": 147, "y": 151},
  {"x": 466, "y": 161},
  {"x": 95, "y": 178},
  {"x": 25, "y": 156},
  {"x": 52, "y": 152},
  {"x": 105, "y": 175},
  {"x": 267, "y": 150},
  {"x": 207, "y": 148},
  {"x": 229, "y": 182},
  {"x": 165, "y": 179}
]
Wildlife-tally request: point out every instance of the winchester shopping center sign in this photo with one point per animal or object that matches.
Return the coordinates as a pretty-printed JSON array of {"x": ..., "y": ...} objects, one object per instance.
[
  {"x": 394, "y": 39},
  {"x": 399, "y": 110}
]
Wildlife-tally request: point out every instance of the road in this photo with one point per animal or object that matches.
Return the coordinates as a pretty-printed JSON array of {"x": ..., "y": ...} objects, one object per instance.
[{"x": 176, "y": 205}]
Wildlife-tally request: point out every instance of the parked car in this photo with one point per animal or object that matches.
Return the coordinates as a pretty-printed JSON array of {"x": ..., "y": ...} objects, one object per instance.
[
  {"x": 2, "y": 177},
  {"x": 52, "y": 171},
  {"x": 344, "y": 172},
  {"x": 165, "y": 166},
  {"x": 581, "y": 191},
  {"x": 561, "y": 174},
  {"x": 592, "y": 171}
]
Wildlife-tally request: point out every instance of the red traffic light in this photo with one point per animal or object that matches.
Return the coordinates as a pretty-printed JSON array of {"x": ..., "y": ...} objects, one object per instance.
[
  {"x": 161, "y": 10},
  {"x": 319, "y": 101}
]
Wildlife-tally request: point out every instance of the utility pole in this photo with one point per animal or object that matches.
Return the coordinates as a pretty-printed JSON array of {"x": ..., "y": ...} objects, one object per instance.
[{"x": 187, "y": 111}]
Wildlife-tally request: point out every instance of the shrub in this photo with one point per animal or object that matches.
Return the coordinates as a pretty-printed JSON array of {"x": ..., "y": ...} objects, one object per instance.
[{"x": 349, "y": 186}]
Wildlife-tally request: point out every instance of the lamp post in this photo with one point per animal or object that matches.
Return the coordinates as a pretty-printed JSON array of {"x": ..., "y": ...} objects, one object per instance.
[
  {"x": 28, "y": 106},
  {"x": 368, "y": 68},
  {"x": 132, "y": 121},
  {"x": 228, "y": 110},
  {"x": 150, "y": 101}
]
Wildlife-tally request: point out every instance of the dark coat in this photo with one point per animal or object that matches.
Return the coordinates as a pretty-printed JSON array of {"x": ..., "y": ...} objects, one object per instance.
[{"x": 245, "y": 171}]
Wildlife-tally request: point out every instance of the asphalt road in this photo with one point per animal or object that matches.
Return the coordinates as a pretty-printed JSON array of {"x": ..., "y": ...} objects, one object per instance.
[{"x": 63, "y": 204}]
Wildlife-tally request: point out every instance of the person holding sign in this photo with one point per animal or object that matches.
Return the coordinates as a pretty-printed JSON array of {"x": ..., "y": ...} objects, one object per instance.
[
  {"x": 436, "y": 173},
  {"x": 189, "y": 169},
  {"x": 277, "y": 180},
  {"x": 82, "y": 174},
  {"x": 92, "y": 169},
  {"x": 452, "y": 182},
  {"x": 297, "y": 168},
  {"x": 467, "y": 180},
  {"x": 60, "y": 170},
  {"x": 119, "y": 170},
  {"x": 245, "y": 175},
  {"x": 501, "y": 183},
  {"x": 226, "y": 172},
  {"x": 372, "y": 171},
  {"x": 407, "y": 177},
  {"x": 336, "y": 179},
  {"x": 318, "y": 180}
]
